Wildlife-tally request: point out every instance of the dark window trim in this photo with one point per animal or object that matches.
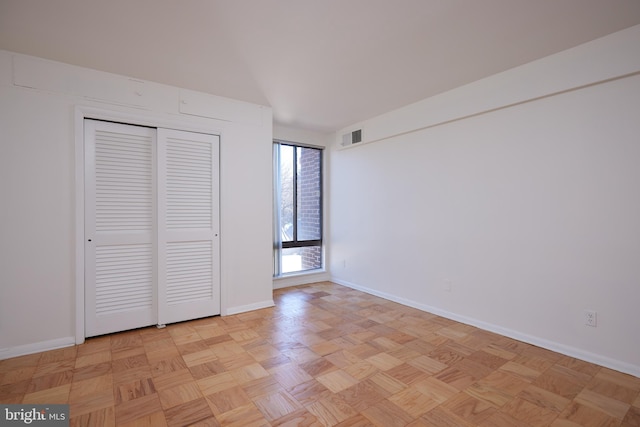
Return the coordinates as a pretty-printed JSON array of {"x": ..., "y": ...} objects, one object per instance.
[{"x": 301, "y": 243}]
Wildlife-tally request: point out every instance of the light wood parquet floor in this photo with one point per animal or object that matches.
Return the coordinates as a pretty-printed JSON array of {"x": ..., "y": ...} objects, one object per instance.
[{"x": 325, "y": 355}]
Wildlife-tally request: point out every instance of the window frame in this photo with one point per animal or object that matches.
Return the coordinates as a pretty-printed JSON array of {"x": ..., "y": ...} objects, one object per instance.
[{"x": 295, "y": 242}]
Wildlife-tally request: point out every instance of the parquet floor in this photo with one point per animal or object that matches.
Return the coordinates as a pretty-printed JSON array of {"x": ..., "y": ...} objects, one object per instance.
[{"x": 326, "y": 355}]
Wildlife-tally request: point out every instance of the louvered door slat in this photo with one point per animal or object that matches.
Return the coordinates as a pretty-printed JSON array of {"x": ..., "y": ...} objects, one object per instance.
[
  {"x": 183, "y": 157},
  {"x": 183, "y": 261},
  {"x": 116, "y": 153}
]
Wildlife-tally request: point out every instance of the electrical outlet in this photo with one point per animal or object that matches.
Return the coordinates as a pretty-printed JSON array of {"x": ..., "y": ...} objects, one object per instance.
[{"x": 590, "y": 318}]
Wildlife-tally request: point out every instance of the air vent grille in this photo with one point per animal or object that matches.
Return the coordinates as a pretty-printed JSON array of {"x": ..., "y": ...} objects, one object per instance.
[
  {"x": 351, "y": 138},
  {"x": 356, "y": 136}
]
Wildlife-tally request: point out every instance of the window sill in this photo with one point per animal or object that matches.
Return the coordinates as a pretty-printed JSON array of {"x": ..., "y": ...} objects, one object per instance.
[{"x": 300, "y": 278}]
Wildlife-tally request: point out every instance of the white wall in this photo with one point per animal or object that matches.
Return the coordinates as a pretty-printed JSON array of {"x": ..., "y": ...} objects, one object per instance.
[
  {"x": 301, "y": 136},
  {"x": 38, "y": 101},
  {"x": 521, "y": 194}
]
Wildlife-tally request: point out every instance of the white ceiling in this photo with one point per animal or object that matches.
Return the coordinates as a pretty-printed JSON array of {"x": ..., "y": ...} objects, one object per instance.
[{"x": 321, "y": 64}]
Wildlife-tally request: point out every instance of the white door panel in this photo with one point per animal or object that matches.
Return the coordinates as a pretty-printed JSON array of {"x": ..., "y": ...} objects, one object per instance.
[
  {"x": 188, "y": 225},
  {"x": 120, "y": 216}
]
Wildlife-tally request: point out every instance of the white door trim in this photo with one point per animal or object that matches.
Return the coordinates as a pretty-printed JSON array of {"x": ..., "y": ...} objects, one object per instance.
[{"x": 81, "y": 113}]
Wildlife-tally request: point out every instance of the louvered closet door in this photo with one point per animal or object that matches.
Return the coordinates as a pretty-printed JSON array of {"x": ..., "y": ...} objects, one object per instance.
[
  {"x": 120, "y": 227},
  {"x": 188, "y": 226}
]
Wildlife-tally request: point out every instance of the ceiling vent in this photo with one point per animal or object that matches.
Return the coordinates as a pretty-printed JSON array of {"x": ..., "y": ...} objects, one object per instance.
[{"x": 351, "y": 138}]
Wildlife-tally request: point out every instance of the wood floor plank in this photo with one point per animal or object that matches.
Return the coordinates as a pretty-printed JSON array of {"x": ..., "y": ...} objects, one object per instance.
[
  {"x": 188, "y": 413},
  {"x": 151, "y": 420},
  {"x": 172, "y": 379},
  {"x": 244, "y": 416},
  {"x": 91, "y": 371},
  {"x": 387, "y": 414},
  {"x": 227, "y": 400},
  {"x": 337, "y": 380},
  {"x": 89, "y": 386},
  {"x": 413, "y": 402},
  {"x": 91, "y": 402},
  {"x": 59, "y": 395},
  {"x": 217, "y": 383},
  {"x": 608, "y": 405},
  {"x": 49, "y": 381},
  {"x": 299, "y": 418},
  {"x": 362, "y": 395},
  {"x": 179, "y": 395},
  {"x": 544, "y": 398},
  {"x": 470, "y": 409},
  {"x": 134, "y": 390},
  {"x": 528, "y": 412},
  {"x": 100, "y": 418},
  {"x": 131, "y": 410},
  {"x": 93, "y": 358},
  {"x": 586, "y": 416},
  {"x": 277, "y": 405}
]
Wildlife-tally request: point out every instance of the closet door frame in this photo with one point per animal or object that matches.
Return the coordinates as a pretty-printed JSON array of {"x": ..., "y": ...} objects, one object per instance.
[{"x": 81, "y": 113}]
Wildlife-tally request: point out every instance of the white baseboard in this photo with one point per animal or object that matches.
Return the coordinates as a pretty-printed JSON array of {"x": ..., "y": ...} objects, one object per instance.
[
  {"x": 530, "y": 339},
  {"x": 21, "y": 350},
  {"x": 300, "y": 279},
  {"x": 249, "y": 307}
]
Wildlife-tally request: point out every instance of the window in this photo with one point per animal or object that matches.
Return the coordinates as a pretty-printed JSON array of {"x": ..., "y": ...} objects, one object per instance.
[{"x": 298, "y": 205}]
